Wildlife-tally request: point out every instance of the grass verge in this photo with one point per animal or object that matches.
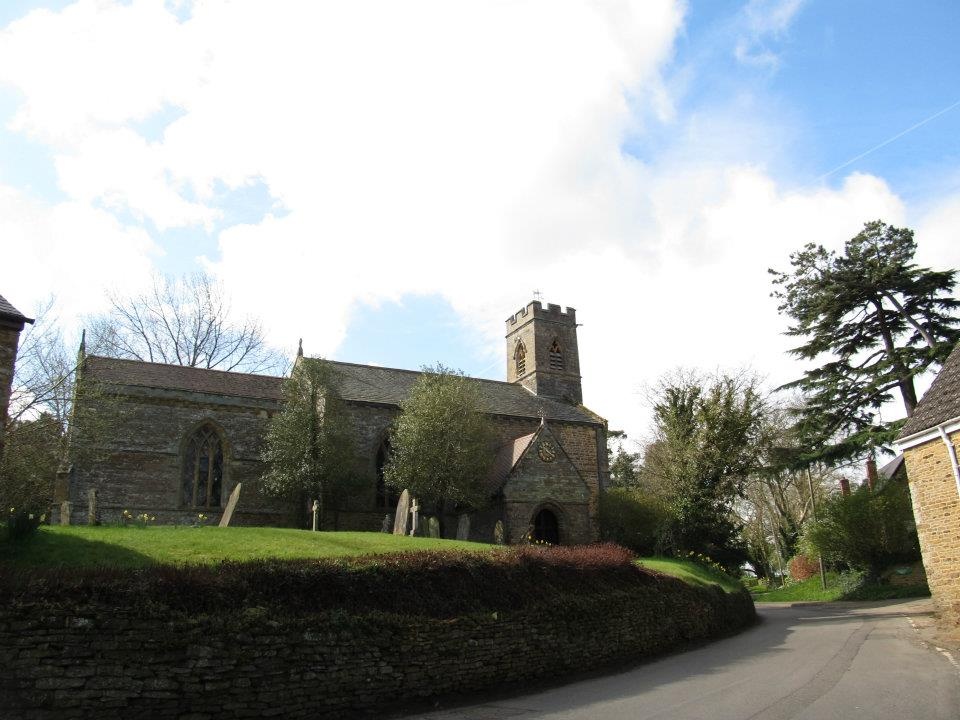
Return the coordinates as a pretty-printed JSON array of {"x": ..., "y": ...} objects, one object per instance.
[
  {"x": 810, "y": 590},
  {"x": 691, "y": 572},
  {"x": 130, "y": 547}
]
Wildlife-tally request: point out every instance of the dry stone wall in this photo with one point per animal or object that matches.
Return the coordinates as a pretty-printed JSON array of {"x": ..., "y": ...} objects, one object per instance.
[{"x": 86, "y": 663}]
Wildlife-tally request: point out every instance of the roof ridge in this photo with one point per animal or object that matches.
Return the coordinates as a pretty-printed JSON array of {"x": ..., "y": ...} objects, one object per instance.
[
  {"x": 185, "y": 367},
  {"x": 412, "y": 372}
]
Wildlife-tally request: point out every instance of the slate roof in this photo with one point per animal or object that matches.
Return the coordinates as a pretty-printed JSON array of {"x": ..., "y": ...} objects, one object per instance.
[
  {"x": 369, "y": 383},
  {"x": 9, "y": 312},
  {"x": 177, "y": 377},
  {"x": 941, "y": 402},
  {"x": 508, "y": 455},
  {"x": 358, "y": 383}
]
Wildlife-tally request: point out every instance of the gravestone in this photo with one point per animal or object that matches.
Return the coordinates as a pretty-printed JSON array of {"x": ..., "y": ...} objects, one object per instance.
[
  {"x": 402, "y": 516},
  {"x": 433, "y": 525},
  {"x": 463, "y": 527},
  {"x": 387, "y": 524},
  {"x": 231, "y": 506},
  {"x": 415, "y": 528},
  {"x": 65, "y": 512},
  {"x": 316, "y": 512},
  {"x": 92, "y": 506},
  {"x": 498, "y": 534}
]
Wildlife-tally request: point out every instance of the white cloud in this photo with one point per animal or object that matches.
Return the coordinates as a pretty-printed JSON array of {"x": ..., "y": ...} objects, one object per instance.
[
  {"x": 470, "y": 150},
  {"x": 69, "y": 250},
  {"x": 763, "y": 21}
]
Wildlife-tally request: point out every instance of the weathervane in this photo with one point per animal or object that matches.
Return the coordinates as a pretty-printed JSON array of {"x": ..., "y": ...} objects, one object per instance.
[{"x": 537, "y": 295}]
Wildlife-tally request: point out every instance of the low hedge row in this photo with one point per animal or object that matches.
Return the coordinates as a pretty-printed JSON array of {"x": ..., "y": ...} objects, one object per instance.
[{"x": 431, "y": 584}]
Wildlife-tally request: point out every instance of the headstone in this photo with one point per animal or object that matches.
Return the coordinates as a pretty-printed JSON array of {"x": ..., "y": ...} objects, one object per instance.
[
  {"x": 463, "y": 527},
  {"x": 316, "y": 510},
  {"x": 92, "y": 506},
  {"x": 65, "y": 512},
  {"x": 387, "y": 524},
  {"x": 415, "y": 518},
  {"x": 433, "y": 525},
  {"x": 498, "y": 534},
  {"x": 402, "y": 516},
  {"x": 231, "y": 506}
]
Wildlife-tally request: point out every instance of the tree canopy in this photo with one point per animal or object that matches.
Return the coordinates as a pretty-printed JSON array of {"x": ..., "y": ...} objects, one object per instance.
[
  {"x": 308, "y": 449},
  {"x": 875, "y": 320},
  {"x": 442, "y": 444},
  {"x": 185, "y": 321}
]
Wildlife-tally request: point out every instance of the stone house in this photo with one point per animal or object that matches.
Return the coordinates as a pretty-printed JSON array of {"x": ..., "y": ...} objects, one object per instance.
[
  {"x": 12, "y": 322},
  {"x": 184, "y": 437},
  {"x": 929, "y": 442}
]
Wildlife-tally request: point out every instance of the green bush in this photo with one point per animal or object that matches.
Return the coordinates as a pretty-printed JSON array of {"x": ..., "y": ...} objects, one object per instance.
[
  {"x": 866, "y": 530},
  {"x": 631, "y": 518},
  {"x": 21, "y": 524}
]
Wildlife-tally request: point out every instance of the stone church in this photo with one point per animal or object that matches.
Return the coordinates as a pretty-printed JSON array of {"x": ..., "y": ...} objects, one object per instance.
[{"x": 187, "y": 436}]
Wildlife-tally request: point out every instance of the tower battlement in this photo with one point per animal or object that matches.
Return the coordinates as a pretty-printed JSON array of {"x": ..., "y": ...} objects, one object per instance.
[{"x": 535, "y": 309}]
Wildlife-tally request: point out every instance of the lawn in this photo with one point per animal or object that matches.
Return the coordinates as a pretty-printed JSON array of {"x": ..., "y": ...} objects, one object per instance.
[
  {"x": 691, "y": 572},
  {"x": 810, "y": 590},
  {"x": 117, "y": 546}
]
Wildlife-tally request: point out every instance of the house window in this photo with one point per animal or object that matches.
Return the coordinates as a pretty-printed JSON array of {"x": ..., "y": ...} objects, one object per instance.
[
  {"x": 386, "y": 496},
  {"x": 202, "y": 479},
  {"x": 520, "y": 356},
  {"x": 556, "y": 356}
]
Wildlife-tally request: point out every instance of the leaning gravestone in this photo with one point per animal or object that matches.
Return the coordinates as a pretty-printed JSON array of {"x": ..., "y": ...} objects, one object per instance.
[
  {"x": 231, "y": 506},
  {"x": 402, "y": 517},
  {"x": 498, "y": 534},
  {"x": 463, "y": 527},
  {"x": 434, "y": 527}
]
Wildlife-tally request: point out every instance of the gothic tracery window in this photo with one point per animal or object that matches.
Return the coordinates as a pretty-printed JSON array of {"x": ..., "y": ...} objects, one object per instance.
[
  {"x": 520, "y": 357},
  {"x": 202, "y": 477},
  {"x": 556, "y": 356}
]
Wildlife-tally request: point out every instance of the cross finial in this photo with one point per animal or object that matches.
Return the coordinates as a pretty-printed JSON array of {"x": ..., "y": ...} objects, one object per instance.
[{"x": 537, "y": 295}]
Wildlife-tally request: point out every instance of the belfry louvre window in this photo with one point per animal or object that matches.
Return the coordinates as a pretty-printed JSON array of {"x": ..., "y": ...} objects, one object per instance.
[
  {"x": 556, "y": 356},
  {"x": 520, "y": 356},
  {"x": 202, "y": 479}
]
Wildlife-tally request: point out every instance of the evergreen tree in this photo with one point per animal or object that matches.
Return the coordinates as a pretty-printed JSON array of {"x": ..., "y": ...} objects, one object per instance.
[
  {"x": 442, "y": 442},
  {"x": 876, "y": 320},
  {"x": 308, "y": 450}
]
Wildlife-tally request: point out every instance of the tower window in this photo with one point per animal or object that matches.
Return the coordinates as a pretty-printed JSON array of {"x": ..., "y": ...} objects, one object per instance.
[
  {"x": 520, "y": 356},
  {"x": 556, "y": 356},
  {"x": 202, "y": 476}
]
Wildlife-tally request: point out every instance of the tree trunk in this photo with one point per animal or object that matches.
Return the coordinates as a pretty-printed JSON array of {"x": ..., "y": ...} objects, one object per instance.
[{"x": 905, "y": 378}]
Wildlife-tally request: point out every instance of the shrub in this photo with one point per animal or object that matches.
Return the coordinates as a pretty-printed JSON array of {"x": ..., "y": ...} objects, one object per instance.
[
  {"x": 21, "y": 524},
  {"x": 866, "y": 530},
  {"x": 802, "y": 568},
  {"x": 631, "y": 518}
]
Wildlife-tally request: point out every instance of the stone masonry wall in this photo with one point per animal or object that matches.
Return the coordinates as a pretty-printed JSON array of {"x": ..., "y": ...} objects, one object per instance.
[
  {"x": 9, "y": 337},
  {"x": 75, "y": 664},
  {"x": 936, "y": 508}
]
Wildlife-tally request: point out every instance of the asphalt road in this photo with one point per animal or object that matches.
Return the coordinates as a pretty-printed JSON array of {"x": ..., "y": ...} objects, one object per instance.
[{"x": 850, "y": 660}]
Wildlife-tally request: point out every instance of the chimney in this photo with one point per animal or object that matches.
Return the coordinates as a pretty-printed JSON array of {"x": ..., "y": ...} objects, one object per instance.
[
  {"x": 871, "y": 473},
  {"x": 844, "y": 486}
]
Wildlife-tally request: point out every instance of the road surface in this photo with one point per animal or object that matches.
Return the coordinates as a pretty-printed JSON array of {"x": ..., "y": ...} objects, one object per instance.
[{"x": 849, "y": 660}]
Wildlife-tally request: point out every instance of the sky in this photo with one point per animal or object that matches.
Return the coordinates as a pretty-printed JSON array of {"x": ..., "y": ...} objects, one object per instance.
[{"x": 391, "y": 180}]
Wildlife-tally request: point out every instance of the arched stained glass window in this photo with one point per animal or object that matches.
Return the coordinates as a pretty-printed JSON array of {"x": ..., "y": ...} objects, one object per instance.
[
  {"x": 202, "y": 477},
  {"x": 520, "y": 357},
  {"x": 556, "y": 356}
]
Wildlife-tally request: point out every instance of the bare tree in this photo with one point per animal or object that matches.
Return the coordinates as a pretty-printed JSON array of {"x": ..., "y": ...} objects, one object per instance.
[{"x": 184, "y": 321}]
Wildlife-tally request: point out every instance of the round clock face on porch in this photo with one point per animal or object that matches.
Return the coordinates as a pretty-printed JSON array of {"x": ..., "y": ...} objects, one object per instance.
[{"x": 547, "y": 451}]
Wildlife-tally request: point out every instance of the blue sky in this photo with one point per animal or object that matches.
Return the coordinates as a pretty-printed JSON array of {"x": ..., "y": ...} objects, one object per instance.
[{"x": 390, "y": 181}]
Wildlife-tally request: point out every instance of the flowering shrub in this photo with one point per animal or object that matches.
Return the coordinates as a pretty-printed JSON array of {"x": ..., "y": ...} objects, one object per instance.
[{"x": 802, "y": 568}]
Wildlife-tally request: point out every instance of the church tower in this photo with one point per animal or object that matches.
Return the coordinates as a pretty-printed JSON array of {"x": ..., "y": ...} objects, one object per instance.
[{"x": 542, "y": 352}]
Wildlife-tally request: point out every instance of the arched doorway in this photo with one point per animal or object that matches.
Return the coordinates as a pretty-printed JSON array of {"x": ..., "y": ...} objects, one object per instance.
[{"x": 546, "y": 527}]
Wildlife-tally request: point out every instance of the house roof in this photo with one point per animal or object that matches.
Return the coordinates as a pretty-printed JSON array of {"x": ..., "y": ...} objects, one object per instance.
[
  {"x": 9, "y": 312},
  {"x": 357, "y": 383},
  {"x": 507, "y": 457},
  {"x": 390, "y": 386},
  {"x": 941, "y": 402},
  {"x": 891, "y": 468},
  {"x": 177, "y": 377}
]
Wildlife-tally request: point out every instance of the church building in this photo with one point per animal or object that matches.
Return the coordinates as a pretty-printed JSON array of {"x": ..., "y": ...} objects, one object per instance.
[{"x": 185, "y": 437}]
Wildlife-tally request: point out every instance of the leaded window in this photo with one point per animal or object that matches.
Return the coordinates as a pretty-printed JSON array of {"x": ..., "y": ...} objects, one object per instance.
[{"x": 202, "y": 478}]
